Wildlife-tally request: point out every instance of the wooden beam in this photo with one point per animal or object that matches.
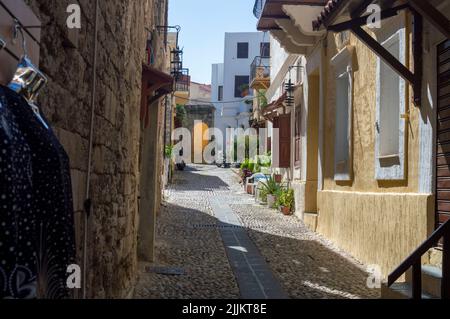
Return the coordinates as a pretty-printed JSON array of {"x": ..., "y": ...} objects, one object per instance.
[
  {"x": 273, "y": 17},
  {"x": 434, "y": 16},
  {"x": 384, "y": 54},
  {"x": 360, "y": 21}
]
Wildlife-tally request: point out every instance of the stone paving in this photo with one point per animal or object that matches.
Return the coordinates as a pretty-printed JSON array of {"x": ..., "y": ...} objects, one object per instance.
[{"x": 190, "y": 235}]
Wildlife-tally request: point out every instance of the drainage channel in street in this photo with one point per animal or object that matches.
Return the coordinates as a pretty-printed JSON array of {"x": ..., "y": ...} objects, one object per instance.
[{"x": 253, "y": 275}]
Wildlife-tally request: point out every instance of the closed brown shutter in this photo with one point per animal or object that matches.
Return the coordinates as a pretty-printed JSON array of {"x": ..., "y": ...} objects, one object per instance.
[
  {"x": 297, "y": 136},
  {"x": 284, "y": 126},
  {"x": 443, "y": 135}
]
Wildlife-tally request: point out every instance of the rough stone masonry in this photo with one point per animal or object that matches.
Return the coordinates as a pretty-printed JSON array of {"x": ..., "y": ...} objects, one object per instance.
[{"x": 67, "y": 59}]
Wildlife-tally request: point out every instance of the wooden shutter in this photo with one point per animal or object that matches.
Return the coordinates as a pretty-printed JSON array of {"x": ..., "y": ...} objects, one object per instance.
[
  {"x": 443, "y": 135},
  {"x": 284, "y": 126},
  {"x": 297, "y": 141}
]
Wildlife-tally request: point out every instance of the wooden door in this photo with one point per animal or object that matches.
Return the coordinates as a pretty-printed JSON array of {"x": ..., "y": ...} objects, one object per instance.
[{"x": 443, "y": 135}]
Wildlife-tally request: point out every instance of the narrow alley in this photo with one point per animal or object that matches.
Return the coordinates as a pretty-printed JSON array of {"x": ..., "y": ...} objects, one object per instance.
[
  {"x": 242, "y": 250},
  {"x": 236, "y": 150}
]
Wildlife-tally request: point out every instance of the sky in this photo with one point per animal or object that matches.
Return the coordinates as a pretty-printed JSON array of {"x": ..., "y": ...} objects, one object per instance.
[{"x": 203, "y": 26}]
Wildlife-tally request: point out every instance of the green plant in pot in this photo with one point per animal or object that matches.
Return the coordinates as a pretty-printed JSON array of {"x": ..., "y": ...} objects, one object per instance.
[
  {"x": 286, "y": 201},
  {"x": 271, "y": 188},
  {"x": 168, "y": 152}
]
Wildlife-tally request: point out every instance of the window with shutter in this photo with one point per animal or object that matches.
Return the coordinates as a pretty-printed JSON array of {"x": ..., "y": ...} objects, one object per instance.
[
  {"x": 391, "y": 104},
  {"x": 343, "y": 162}
]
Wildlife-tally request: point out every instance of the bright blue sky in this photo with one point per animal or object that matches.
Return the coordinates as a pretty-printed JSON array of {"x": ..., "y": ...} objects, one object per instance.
[{"x": 204, "y": 23}]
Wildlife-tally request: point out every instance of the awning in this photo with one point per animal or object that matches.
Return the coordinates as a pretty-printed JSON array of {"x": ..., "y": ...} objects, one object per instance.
[
  {"x": 155, "y": 84},
  {"x": 270, "y": 112},
  {"x": 273, "y": 10}
]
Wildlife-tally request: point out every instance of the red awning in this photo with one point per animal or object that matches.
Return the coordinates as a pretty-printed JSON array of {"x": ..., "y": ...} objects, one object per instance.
[{"x": 155, "y": 84}]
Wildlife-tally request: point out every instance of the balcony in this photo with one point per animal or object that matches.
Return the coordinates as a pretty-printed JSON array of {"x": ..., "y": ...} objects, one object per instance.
[
  {"x": 183, "y": 81},
  {"x": 260, "y": 73}
]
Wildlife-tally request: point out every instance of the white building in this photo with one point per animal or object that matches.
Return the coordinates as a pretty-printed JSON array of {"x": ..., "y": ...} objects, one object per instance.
[{"x": 229, "y": 79}]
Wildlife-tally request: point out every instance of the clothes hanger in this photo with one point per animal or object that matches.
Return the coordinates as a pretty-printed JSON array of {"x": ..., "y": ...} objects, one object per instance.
[
  {"x": 2, "y": 44},
  {"x": 28, "y": 80}
]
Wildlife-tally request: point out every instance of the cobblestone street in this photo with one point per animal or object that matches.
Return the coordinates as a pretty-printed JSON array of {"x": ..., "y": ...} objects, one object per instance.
[{"x": 224, "y": 245}]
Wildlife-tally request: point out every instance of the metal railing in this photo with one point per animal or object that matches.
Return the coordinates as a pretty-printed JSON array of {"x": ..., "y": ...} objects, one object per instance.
[
  {"x": 415, "y": 261},
  {"x": 258, "y": 8},
  {"x": 183, "y": 81},
  {"x": 260, "y": 68}
]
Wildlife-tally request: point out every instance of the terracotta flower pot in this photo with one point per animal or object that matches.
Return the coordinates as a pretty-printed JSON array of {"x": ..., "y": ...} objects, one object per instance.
[{"x": 286, "y": 210}]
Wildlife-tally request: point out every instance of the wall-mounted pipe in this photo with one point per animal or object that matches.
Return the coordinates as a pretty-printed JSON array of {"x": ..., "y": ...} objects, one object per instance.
[{"x": 88, "y": 203}]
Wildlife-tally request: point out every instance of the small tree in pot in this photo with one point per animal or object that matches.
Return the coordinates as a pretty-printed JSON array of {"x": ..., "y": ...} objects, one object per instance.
[
  {"x": 270, "y": 189},
  {"x": 286, "y": 201}
]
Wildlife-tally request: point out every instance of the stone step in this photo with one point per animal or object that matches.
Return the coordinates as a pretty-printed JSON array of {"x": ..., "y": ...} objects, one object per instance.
[
  {"x": 401, "y": 290},
  {"x": 431, "y": 280}
]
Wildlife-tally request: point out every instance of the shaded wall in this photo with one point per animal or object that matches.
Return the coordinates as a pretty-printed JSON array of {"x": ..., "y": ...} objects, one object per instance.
[{"x": 112, "y": 256}]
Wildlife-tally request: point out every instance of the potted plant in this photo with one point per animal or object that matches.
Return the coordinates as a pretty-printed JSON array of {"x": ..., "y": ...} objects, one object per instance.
[
  {"x": 262, "y": 194},
  {"x": 244, "y": 88},
  {"x": 286, "y": 201},
  {"x": 271, "y": 188},
  {"x": 168, "y": 152}
]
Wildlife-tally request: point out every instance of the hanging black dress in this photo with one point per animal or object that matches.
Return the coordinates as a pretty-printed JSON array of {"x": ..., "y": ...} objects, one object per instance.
[
  {"x": 51, "y": 201},
  {"x": 17, "y": 220}
]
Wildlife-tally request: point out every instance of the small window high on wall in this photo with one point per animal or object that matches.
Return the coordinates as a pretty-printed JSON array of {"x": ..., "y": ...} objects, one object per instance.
[
  {"x": 343, "y": 162},
  {"x": 242, "y": 50},
  {"x": 220, "y": 93},
  {"x": 391, "y": 104}
]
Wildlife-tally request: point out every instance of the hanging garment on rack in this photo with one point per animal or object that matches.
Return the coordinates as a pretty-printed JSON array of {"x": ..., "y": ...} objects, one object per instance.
[
  {"x": 17, "y": 220},
  {"x": 52, "y": 201}
]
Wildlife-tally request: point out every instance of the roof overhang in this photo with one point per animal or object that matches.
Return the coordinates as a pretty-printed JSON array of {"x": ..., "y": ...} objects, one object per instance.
[
  {"x": 339, "y": 11},
  {"x": 273, "y": 9},
  {"x": 156, "y": 81},
  {"x": 155, "y": 84},
  {"x": 290, "y": 23}
]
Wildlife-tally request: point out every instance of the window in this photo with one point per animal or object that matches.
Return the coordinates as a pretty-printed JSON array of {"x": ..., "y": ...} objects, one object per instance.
[
  {"x": 265, "y": 50},
  {"x": 343, "y": 162},
  {"x": 391, "y": 102},
  {"x": 220, "y": 93},
  {"x": 241, "y": 84},
  {"x": 242, "y": 50}
]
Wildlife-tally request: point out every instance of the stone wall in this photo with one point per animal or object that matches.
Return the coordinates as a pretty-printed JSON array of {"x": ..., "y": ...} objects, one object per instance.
[{"x": 112, "y": 230}]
